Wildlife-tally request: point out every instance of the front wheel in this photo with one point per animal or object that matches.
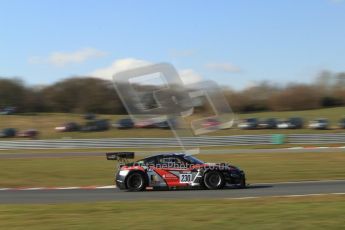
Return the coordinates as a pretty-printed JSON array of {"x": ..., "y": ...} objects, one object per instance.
[
  {"x": 214, "y": 180},
  {"x": 135, "y": 182}
]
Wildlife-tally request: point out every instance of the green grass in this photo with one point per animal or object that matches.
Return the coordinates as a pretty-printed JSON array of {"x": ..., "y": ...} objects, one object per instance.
[
  {"x": 261, "y": 167},
  {"x": 46, "y": 123},
  {"x": 321, "y": 212}
]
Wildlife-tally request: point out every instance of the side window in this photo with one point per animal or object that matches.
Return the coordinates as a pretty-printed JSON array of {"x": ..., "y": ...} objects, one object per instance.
[
  {"x": 150, "y": 161},
  {"x": 170, "y": 162},
  {"x": 165, "y": 160}
]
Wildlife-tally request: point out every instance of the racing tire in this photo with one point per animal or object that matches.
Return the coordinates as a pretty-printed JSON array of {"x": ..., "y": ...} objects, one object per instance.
[
  {"x": 214, "y": 180},
  {"x": 135, "y": 182}
]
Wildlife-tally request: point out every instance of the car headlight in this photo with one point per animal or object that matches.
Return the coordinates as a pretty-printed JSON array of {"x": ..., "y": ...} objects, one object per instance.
[{"x": 123, "y": 172}]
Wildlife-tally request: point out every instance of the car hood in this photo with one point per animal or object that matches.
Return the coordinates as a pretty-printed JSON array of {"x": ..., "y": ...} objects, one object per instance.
[{"x": 227, "y": 165}]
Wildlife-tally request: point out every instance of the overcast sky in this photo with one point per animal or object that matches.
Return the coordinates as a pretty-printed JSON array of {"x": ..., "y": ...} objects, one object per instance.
[{"x": 236, "y": 43}]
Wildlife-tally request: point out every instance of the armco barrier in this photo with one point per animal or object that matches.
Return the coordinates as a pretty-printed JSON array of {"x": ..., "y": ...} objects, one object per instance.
[
  {"x": 136, "y": 142},
  {"x": 171, "y": 142},
  {"x": 316, "y": 138}
]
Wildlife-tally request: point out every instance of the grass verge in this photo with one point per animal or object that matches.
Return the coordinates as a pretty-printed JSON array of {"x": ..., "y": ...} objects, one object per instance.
[{"x": 321, "y": 212}]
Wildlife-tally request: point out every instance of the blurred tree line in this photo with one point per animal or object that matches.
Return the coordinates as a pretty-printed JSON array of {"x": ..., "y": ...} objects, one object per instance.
[
  {"x": 92, "y": 95},
  {"x": 72, "y": 95},
  {"x": 328, "y": 90}
]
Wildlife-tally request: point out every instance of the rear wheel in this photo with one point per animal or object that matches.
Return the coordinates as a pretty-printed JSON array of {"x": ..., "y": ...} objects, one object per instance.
[
  {"x": 135, "y": 182},
  {"x": 214, "y": 180}
]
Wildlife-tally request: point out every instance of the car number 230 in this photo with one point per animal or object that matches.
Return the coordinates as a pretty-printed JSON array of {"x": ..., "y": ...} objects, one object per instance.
[{"x": 185, "y": 178}]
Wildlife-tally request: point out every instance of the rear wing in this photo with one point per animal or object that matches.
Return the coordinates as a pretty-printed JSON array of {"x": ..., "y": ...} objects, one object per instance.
[{"x": 120, "y": 155}]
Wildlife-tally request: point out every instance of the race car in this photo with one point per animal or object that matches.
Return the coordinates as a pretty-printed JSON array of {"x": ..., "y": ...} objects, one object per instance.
[{"x": 173, "y": 171}]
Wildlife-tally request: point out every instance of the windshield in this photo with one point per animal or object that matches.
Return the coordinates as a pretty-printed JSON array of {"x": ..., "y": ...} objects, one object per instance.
[{"x": 192, "y": 159}]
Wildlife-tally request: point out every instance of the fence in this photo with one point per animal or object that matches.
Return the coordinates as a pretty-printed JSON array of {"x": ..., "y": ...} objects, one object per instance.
[{"x": 172, "y": 142}]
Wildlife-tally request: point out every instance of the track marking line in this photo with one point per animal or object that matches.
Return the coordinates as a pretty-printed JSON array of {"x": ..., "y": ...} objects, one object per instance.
[
  {"x": 106, "y": 187},
  {"x": 64, "y": 188},
  {"x": 301, "y": 182},
  {"x": 32, "y": 189},
  {"x": 285, "y": 196},
  {"x": 59, "y": 188}
]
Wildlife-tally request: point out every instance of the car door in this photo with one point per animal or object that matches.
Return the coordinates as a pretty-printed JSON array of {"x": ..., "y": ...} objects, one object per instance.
[{"x": 173, "y": 169}]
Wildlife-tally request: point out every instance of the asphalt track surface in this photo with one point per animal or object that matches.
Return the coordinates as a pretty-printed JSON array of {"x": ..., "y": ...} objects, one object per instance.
[
  {"x": 255, "y": 190},
  {"x": 217, "y": 151}
]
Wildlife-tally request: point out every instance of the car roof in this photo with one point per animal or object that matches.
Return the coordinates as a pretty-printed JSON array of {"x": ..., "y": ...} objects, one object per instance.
[{"x": 166, "y": 155}]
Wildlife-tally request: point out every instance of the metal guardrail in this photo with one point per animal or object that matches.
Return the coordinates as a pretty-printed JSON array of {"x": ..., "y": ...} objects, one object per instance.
[
  {"x": 135, "y": 142},
  {"x": 316, "y": 138},
  {"x": 172, "y": 142}
]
